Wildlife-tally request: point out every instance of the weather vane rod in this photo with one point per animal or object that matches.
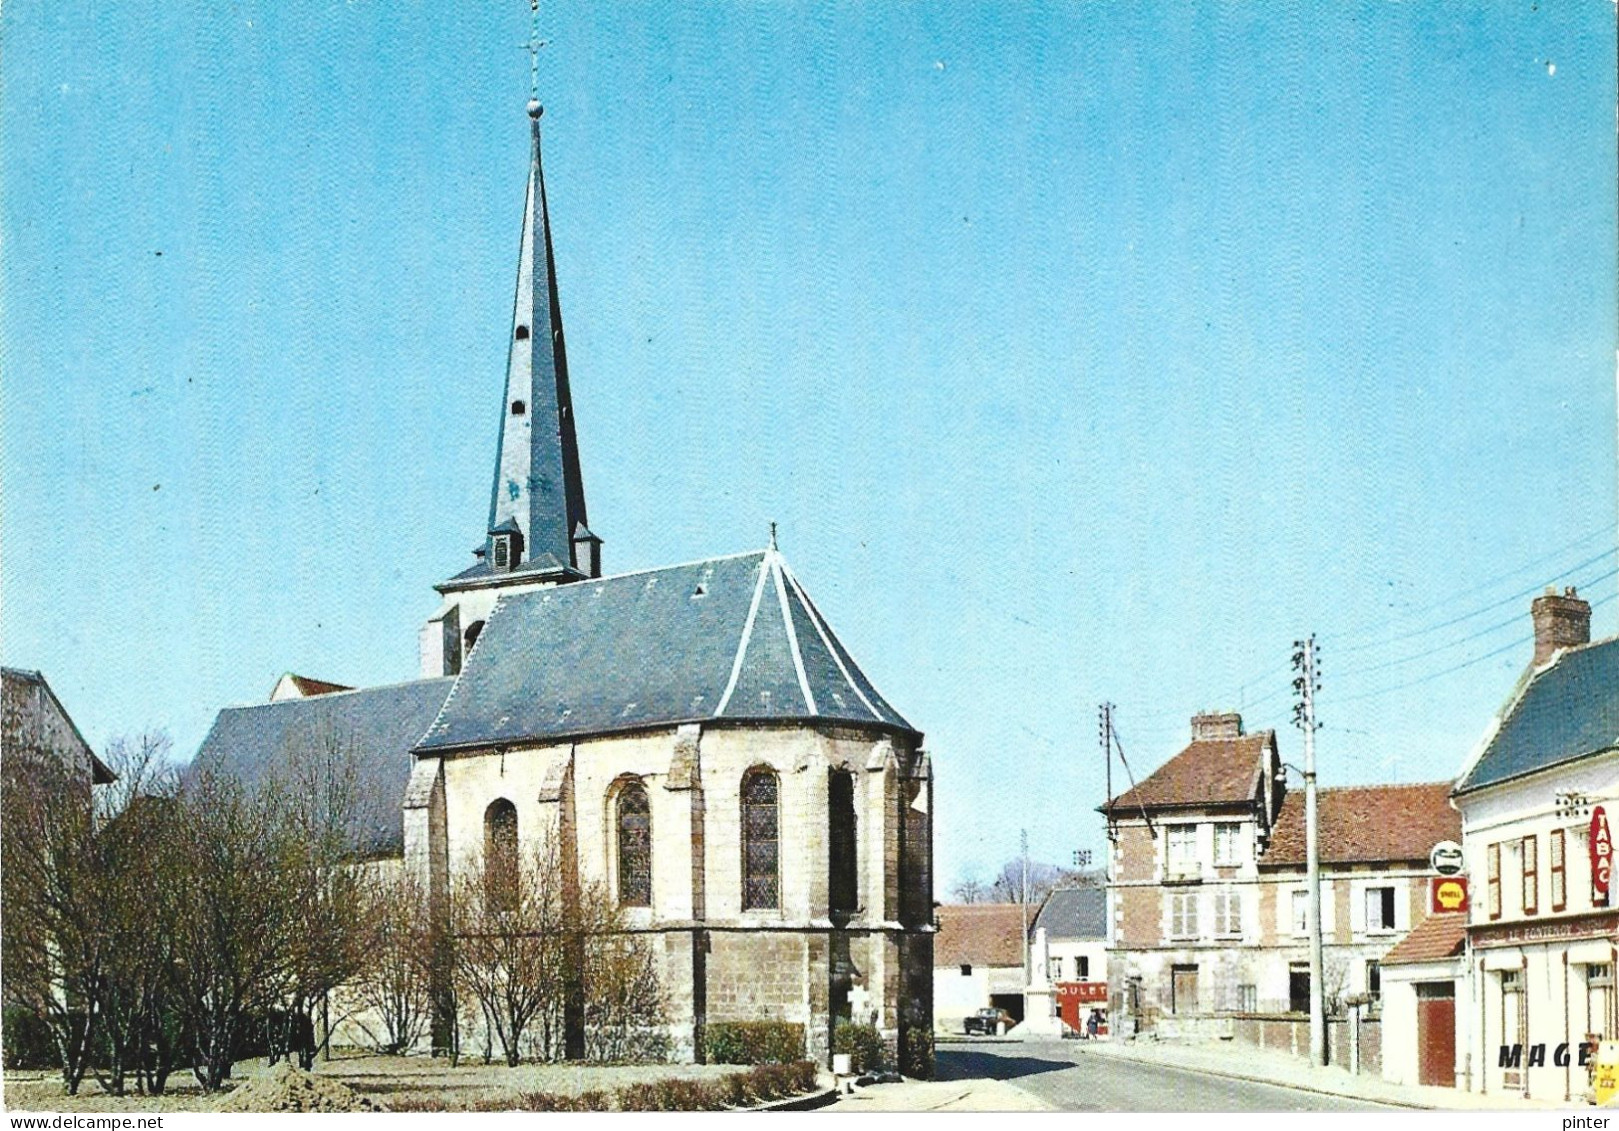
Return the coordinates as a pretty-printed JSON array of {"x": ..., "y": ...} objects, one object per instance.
[{"x": 534, "y": 44}]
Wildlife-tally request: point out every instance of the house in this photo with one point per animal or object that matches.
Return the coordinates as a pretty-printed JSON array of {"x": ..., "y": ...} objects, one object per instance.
[
  {"x": 1069, "y": 942},
  {"x": 36, "y": 732},
  {"x": 1537, "y": 799},
  {"x": 1422, "y": 1031},
  {"x": 1207, "y": 893},
  {"x": 694, "y": 740},
  {"x": 978, "y": 961}
]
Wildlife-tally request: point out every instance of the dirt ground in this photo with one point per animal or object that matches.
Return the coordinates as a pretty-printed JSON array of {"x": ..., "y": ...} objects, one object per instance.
[{"x": 383, "y": 1078}]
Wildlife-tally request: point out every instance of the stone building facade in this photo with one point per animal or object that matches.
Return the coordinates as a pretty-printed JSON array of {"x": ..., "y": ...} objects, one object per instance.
[
  {"x": 695, "y": 741},
  {"x": 1206, "y": 885}
]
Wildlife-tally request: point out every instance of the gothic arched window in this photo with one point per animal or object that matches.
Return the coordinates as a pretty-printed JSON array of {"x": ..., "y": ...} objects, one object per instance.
[
  {"x": 500, "y": 853},
  {"x": 634, "y": 847},
  {"x": 842, "y": 844},
  {"x": 761, "y": 823}
]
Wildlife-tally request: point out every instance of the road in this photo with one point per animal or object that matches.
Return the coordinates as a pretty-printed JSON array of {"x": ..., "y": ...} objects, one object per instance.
[{"x": 1071, "y": 1076}]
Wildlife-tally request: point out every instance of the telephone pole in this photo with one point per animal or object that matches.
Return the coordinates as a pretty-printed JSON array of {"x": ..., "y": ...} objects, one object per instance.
[
  {"x": 1306, "y": 684},
  {"x": 1023, "y": 856}
]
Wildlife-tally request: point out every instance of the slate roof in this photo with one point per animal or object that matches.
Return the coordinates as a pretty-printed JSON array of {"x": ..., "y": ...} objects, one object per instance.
[
  {"x": 248, "y": 743},
  {"x": 978, "y": 934},
  {"x": 1567, "y": 711},
  {"x": 1074, "y": 913},
  {"x": 1435, "y": 939},
  {"x": 732, "y": 638},
  {"x": 1369, "y": 823},
  {"x": 1219, "y": 771}
]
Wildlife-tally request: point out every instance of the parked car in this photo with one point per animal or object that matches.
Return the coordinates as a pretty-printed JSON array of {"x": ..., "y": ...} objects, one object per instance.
[{"x": 991, "y": 1022}]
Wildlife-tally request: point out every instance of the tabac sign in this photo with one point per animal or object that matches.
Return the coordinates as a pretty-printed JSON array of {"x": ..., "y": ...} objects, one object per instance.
[
  {"x": 1601, "y": 850},
  {"x": 1447, "y": 893}
]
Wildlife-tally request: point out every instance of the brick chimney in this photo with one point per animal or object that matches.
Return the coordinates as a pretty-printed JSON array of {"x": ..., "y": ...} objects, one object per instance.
[
  {"x": 1208, "y": 727},
  {"x": 1561, "y": 621}
]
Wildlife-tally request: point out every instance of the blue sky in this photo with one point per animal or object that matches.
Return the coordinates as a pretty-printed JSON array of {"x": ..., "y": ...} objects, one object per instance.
[{"x": 1082, "y": 351}]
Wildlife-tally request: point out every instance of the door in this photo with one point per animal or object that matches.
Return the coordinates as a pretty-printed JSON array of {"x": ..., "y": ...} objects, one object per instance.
[
  {"x": 1184, "y": 990},
  {"x": 1436, "y": 1034}
]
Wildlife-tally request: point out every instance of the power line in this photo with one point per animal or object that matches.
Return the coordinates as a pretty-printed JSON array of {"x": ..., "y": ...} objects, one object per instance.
[
  {"x": 1518, "y": 596},
  {"x": 1443, "y": 602},
  {"x": 1418, "y": 682},
  {"x": 1383, "y": 665}
]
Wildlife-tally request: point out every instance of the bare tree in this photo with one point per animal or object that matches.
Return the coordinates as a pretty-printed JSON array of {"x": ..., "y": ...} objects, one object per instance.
[
  {"x": 231, "y": 918},
  {"x": 511, "y": 927},
  {"x": 968, "y": 888},
  {"x": 317, "y": 783},
  {"x": 625, "y": 1016},
  {"x": 133, "y": 862},
  {"x": 57, "y": 946},
  {"x": 395, "y": 978}
]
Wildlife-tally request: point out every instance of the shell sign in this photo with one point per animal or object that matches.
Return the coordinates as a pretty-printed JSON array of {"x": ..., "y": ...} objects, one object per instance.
[
  {"x": 1447, "y": 893},
  {"x": 1601, "y": 850}
]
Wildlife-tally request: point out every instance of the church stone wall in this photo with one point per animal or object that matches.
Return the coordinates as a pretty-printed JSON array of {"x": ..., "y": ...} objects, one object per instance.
[{"x": 719, "y": 961}]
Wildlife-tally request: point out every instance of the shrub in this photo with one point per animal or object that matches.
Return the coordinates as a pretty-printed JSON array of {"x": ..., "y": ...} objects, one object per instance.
[
  {"x": 754, "y": 1042},
  {"x": 863, "y": 1044},
  {"x": 553, "y": 1101},
  {"x": 28, "y": 1040},
  {"x": 916, "y": 1053}
]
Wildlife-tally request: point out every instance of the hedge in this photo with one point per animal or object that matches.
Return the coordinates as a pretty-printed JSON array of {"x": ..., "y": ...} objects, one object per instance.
[
  {"x": 753, "y": 1042},
  {"x": 863, "y": 1044}
]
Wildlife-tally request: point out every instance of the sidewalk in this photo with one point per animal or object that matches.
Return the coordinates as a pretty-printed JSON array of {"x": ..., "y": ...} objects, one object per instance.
[
  {"x": 940, "y": 1095},
  {"x": 1266, "y": 1066}
]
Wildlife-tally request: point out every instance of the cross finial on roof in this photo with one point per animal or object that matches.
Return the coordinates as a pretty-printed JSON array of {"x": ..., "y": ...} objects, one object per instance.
[
  {"x": 773, "y": 536},
  {"x": 534, "y": 44}
]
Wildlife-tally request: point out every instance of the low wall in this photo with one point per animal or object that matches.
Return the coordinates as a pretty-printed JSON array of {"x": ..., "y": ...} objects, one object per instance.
[{"x": 1290, "y": 1033}]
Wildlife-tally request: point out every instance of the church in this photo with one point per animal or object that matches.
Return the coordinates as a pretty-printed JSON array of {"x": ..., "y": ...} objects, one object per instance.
[{"x": 694, "y": 737}]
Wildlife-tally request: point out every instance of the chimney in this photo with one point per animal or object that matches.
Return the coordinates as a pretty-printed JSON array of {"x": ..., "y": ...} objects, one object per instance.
[
  {"x": 1208, "y": 727},
  {"x": 1561, "y": 621}
]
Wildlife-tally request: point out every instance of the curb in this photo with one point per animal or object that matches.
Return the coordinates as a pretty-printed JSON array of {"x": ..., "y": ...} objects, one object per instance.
[
  {"x": 1279, "y": 1084},
  {"x": 811, "y": 1102}
]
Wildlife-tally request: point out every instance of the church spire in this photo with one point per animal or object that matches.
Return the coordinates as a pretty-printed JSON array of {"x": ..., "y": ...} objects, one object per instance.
[{"x": 537, "y": 504}]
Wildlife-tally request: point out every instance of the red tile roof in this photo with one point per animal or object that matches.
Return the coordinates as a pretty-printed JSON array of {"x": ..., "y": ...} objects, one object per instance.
[
  {"x": 980, "y": 934},
  {"x": 1208, "y": 772},
  {"x": 1368, "y": 824},
  {"x": 307, "y": 686},
  {"x": 1435, "y": 939}
]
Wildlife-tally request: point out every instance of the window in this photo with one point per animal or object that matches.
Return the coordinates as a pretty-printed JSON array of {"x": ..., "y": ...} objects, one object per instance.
[
  {"x": 1228, "y": 913},
  {"x": 1599, "y": 1013},
  {"x": 1556, "y": 847},
  {"x": 1374, "y": 979},
  {"x": 472, "y": 633},
  {"x": 500, "y": 854},
  {"x": 1054, "y": 970},
  {"x": 1182, "y": 841},
  {"x": 1301, "y": 913},
  {"x": 519, "y": 408},
  {"x": 1380, "y": 909},
  {"x": 1531, "y": 874},
  {"x": 844, "y": 886},
  {"x": 1183, "y": 915},
  {"x": 1514, "y": 1021},
  {"x": 966, "y": 970},
  {"x": 502, "y": 553},
  {"x": 522, "y": 333},
  {"x": 1248, "y": 998},
  {"x": 634, "y": 847},
  {"x": 1083, "y": 962},
  {"x": 1492, "y": 879},
  {"x": 1227, "y": 839},
  {"x": 761, "y": 885},
  {"x": 1298, "y": 987}
]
